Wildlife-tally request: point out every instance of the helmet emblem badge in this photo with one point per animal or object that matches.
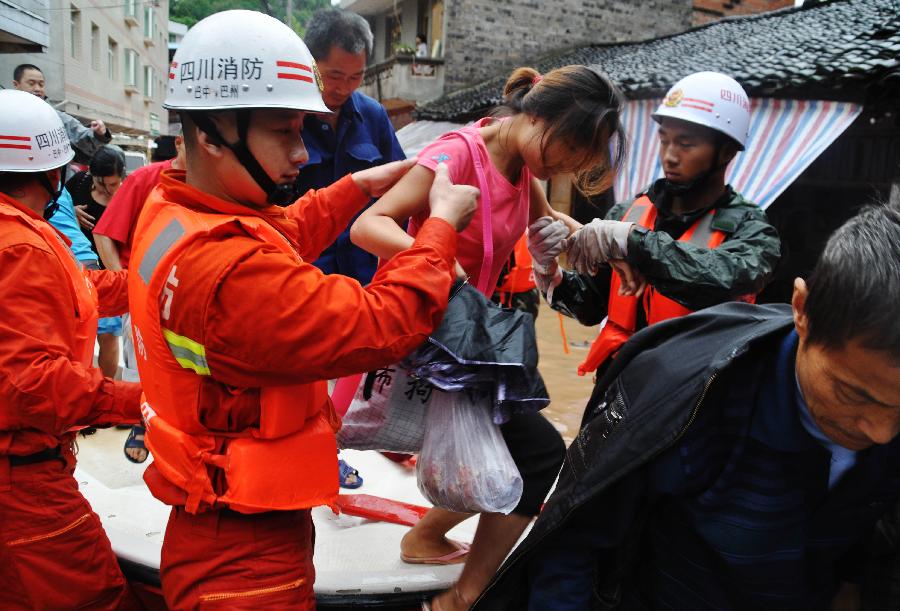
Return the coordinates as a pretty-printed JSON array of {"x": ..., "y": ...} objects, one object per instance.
[
  {"x": 318, "y": 74},
  {"x": 674, "y": 98}
]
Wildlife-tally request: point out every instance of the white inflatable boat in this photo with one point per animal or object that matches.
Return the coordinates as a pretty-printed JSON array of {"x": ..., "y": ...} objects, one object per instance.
[{"x": 357, "y": 560}]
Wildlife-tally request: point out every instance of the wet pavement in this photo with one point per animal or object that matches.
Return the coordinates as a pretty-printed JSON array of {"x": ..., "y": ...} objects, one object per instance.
[{"x": 569, "y": 393}]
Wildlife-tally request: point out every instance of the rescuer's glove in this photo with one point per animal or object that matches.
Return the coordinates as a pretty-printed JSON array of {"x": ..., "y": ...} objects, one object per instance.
[
  {"x": 546, "y": 240},
  {"x": 596, "y": 243}
]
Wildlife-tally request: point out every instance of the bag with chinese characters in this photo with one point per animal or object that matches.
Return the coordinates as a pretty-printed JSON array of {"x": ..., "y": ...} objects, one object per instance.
[
  {"x": 387, "y": 413},
  {"x": 465, "y": 465}
]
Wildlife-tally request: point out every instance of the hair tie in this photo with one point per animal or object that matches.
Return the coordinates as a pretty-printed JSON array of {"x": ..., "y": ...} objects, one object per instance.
[{"x": 536, "y": 80}]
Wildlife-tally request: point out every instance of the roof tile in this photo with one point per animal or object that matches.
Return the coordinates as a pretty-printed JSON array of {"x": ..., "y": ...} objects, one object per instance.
[{"x": 829, "y": 46}]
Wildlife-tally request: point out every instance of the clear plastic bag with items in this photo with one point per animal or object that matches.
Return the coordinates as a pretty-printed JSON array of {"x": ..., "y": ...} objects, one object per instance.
[{"x": 465, "y": 465}]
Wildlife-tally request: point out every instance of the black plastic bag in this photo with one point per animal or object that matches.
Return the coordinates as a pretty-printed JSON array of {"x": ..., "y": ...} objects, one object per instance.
[{"x": 483, "y": 347}]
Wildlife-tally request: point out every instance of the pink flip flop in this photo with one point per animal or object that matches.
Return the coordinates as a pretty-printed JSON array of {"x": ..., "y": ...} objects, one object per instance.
[{"x": 455, "y": 557}]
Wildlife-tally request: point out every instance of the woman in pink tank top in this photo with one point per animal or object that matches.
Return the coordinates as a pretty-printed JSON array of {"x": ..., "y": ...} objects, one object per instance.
[{"x": 561, "y": 123}]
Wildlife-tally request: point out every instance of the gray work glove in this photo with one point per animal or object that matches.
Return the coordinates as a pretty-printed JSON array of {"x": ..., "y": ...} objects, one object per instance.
[
  {"x": 596, "y": 243},
  {"x": 546, "y": 240}
]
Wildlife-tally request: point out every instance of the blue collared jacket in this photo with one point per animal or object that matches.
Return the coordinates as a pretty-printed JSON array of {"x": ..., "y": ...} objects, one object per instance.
[{"x": 364, "y": 138}]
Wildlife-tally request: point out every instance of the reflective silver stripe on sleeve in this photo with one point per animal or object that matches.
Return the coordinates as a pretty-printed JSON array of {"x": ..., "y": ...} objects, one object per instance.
[
  {"x": 163, "y": 242},
  {"x": 190, "y": 360},
  {"x": 188, "y": 353}
]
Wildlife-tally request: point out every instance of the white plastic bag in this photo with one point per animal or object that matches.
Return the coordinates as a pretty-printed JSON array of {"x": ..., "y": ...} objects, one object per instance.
[
  {"x": 387, "y": 413},
  {"x": 465, "y": 465}
]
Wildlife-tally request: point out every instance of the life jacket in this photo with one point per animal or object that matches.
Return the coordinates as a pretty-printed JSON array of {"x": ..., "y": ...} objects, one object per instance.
[
  {"x": 288, "y": 461},
  {"x": 621, "y": 321},
  {"x": 520, "y": 273},
  {"x": 82, "y": 290}
]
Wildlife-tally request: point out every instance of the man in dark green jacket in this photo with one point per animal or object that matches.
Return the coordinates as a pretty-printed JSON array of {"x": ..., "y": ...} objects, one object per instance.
[{"x": 691, "y": 239}]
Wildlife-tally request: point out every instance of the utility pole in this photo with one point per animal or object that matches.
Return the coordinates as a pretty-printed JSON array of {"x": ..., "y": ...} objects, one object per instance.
[{"x": 287, "y": 15}]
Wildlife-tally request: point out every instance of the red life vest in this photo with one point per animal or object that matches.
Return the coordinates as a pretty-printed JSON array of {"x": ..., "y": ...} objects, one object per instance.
[
  {"x": 287, "y": 462},
  {"x": 621, "y": 320},
  {"x": 84, "y": 295},
  {"x": 520, "y": 274}
]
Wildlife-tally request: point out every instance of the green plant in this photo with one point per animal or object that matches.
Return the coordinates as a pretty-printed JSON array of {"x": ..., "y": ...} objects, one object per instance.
[{"x": 404, "y": 49}]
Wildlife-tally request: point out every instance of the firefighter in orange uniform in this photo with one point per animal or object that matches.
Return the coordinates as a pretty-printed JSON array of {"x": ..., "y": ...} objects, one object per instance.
[
  {"x": 236, "y": 331},
  {"x": 53, "y": 551}
]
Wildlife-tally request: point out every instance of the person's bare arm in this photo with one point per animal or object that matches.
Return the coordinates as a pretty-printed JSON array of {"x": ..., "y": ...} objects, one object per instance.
[
  {"x": 379, "y": 229},
  {"x": 108, "y": 251},
  {"x": 539, "y": 206},
  {"x": 84, "y": 219}
]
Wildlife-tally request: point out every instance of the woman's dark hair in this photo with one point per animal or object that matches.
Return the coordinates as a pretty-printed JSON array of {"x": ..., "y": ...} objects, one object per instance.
[
  {"x": 581, "y": 108},
  {"x": 854, "y": 288},
  {"x": 107, "y": 161}
]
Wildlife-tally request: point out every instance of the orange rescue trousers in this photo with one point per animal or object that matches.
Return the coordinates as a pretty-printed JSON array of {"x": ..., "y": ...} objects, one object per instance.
[
  {"x": 221, "y": 559},
  {"x": 54, "y": 553}
]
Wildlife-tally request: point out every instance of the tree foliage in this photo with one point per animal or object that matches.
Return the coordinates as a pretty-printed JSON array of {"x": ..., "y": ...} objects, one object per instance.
[{"x": 190, "y": 12}]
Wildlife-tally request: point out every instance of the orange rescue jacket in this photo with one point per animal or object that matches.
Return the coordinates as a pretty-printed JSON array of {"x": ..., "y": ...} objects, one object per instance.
[
  {"x": 44, "y": 381},
  {"x": 287, "y": 462},
  {"x": 621, "y": 321},
  {"x": 82, "y": 289},
  {"x": 520, "y": 275}
]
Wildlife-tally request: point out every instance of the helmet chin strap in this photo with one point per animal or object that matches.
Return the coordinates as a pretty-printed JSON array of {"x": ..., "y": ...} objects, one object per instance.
[
  {"x": 55, "y": 192},
  {"x": 278, "y": 195}
]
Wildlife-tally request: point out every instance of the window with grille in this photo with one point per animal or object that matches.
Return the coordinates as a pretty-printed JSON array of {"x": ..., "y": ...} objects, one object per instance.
[
  {"x": 74, "y": 31},
  {"x": 148, "y": 81},
  {"x": 131, "y": 68},
  {"x": 149, "y": 23},
  {"x": 95, "y": 46},
  {"x": 112, "y": 59}
]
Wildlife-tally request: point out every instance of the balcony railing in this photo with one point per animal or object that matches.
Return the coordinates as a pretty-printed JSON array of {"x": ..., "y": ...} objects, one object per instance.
[{"x": 420, "y": 79}]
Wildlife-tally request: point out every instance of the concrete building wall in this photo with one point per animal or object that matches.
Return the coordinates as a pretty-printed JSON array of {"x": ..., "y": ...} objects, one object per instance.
[
  {"x": 408, "y": 29},
  {"x": 404, "y": 78},
  {"x": 486, "y": 36},
  {"x": 86, "y": 61},
  {"x": 379, "y": 33}
]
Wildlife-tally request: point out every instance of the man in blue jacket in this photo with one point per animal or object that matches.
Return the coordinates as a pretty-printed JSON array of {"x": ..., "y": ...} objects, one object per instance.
[
  {"x": 735, "y": 458},
  {"x": 357, "y": 136}
]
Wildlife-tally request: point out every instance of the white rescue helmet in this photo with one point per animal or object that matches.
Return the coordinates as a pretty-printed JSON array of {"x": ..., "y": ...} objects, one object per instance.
[
  {"x": 712, "y": 100},
  {"x": 32, "y": 136},
  {"x": 243, "y": 59}
]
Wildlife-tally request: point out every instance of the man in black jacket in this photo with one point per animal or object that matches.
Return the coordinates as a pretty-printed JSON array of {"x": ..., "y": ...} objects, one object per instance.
[
  {"x": 693, "y": 239},
  {"x": 736, "y": 458}
]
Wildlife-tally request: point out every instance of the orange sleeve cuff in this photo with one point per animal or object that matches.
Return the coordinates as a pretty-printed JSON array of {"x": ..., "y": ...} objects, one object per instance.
[
  {"x": 440, "y": 235},
  {"x": 127, "y": 398}
]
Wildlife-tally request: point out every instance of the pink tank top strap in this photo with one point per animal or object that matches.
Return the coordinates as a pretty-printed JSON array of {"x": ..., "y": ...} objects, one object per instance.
[{"x": 485, "y": 199}]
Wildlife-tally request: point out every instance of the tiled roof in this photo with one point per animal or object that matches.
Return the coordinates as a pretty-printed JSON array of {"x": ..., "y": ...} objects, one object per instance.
[{"x": 838, "y": 50}]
